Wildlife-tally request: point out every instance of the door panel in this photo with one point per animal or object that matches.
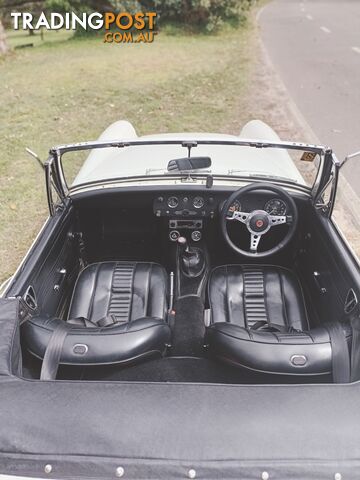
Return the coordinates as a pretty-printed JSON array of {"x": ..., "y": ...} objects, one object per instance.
[
  {"x": 52, "y": 267},
  {"x": 327, "y": 268}
]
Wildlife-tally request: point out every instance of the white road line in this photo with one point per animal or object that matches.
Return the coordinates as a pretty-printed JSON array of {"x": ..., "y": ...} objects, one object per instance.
[
  {"x": 325, "y": 29},
  {"x": 309, "y": 17},
  {"x": 355, "y": 49}
]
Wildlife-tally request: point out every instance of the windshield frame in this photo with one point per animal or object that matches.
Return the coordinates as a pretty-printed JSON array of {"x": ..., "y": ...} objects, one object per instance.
[{"x": 58, "y": 151}]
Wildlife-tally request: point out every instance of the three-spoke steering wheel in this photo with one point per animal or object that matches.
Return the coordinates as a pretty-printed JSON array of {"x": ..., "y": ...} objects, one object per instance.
[{"x": 259, "y": 222}]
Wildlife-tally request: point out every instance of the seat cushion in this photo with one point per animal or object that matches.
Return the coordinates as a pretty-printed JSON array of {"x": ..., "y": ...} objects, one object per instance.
[
  {"x": 245, "y": 294},
  {"x": 126, "y": 290},
  {"x": 134, "y": 295}
]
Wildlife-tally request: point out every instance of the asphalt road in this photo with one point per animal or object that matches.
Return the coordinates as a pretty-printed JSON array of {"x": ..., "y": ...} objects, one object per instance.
[{"x": 315, "y": 47}]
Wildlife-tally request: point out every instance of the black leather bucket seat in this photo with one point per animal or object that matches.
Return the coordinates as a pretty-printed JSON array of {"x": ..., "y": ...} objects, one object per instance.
[
  {"x": 258, "y": 320},
  {"x": 118, "y": 313}
]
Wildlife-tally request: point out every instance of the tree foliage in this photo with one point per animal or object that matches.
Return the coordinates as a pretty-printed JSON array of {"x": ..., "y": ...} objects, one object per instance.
[{"x": 209, "y": 14}]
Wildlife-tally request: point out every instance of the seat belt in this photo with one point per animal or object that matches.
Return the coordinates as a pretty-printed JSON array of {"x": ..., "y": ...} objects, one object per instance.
[
  {"x": 339, "y": 352},
  {"x": 264, "y": 326},
  {"x": 50, "y": 364},
  {"x": 53, "y": 351},
  {"x": 84, "y": 322}
]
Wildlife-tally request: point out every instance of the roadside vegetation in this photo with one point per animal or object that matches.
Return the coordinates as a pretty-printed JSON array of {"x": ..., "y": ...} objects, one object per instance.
[{"x": 69, "y": 91}]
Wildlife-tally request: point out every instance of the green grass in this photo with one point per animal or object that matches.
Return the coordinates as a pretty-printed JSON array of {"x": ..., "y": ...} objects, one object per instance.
[{"x": 70, "y": 91}]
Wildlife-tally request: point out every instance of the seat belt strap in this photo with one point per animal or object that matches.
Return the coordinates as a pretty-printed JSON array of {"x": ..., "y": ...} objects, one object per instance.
[
  {"x": 340, "y": 353},
  {"x": 81, "y": 322},
  {"x": 84, "y": 322},
  {"x": 106, "y": 321},
  {"x": 263, "y": 325},
  {"x": 53, "y": 351}
]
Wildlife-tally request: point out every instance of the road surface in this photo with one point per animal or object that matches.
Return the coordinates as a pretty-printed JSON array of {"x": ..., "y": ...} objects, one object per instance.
[{"x": 315, "y": 47}]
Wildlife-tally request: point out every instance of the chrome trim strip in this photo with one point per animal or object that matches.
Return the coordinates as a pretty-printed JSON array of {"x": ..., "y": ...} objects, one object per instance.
[{"x": 60, "y": 149}]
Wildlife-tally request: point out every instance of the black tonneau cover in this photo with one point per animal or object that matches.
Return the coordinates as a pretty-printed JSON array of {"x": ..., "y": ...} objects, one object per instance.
[{"x": 161, "y": 431}]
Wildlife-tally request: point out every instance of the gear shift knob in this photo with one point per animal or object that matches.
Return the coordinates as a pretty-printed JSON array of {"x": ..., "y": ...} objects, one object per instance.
[
  {"x": 182, "y": 242},
  {"x": 183, "y": 245}
]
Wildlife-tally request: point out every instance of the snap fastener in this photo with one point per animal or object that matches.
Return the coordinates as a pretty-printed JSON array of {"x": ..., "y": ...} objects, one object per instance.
[
  {"x": 298, "y": 360},
  {"x": 120, "y": 472},
  {"x": 80, "y": 349}
]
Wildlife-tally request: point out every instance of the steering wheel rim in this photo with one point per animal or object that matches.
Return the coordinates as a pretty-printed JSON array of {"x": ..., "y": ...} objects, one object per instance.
[{"x": 262, "y": 220}]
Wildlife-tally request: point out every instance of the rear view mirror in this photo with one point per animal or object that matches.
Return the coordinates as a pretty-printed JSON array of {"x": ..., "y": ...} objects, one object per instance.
[{"x": 188, "y": 163}]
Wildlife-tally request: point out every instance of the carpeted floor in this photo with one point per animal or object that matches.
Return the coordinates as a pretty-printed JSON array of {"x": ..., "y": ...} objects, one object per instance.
[{"x": 189, "y": 329}]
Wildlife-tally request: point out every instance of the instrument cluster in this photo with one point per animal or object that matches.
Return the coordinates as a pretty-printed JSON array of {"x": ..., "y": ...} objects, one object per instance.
[
  {"x": 184, "y": 206},
  {"x": 275, "y": 206}
]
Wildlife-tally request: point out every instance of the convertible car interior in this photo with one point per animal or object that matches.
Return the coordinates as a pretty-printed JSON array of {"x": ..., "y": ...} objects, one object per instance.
[
  {"x": 236, "y": 283},
  {"x": 144, "y": 286}
]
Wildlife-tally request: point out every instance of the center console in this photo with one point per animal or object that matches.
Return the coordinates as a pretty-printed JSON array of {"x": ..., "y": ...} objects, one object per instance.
[{"x": 186, "y": 214}]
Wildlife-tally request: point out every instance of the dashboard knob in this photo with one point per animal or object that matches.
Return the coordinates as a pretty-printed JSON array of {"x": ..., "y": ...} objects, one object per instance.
[
  {"x": 196, "y": 236},
  {"x": 174, "y": 235}
]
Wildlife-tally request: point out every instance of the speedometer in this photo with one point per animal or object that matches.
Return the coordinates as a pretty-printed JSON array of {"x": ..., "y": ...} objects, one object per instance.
[{"x": 276, "y": 206}]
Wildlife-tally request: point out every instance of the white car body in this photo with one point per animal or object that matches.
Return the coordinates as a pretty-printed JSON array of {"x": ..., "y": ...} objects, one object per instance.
[{"x": 107, "y": 163}]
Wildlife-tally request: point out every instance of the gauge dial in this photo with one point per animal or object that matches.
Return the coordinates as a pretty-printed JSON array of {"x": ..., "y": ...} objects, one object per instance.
[
  {"x": 198, "y": 202},
  {"x": 234, "y": 207},
  {"x": 276, "y": 206},
  {"x": 173, "y": 202}
]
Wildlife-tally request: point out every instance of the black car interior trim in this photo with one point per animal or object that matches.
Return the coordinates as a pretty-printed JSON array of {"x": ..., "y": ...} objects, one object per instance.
[{"x": 121, "y": 225}]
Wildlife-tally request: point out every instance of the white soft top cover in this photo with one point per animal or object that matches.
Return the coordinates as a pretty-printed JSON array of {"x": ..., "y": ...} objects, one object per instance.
[{"x": 111, "y": 163}]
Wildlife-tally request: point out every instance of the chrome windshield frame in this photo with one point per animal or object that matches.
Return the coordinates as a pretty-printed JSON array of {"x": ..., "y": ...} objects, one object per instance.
[{"x": 58, "y": 151}]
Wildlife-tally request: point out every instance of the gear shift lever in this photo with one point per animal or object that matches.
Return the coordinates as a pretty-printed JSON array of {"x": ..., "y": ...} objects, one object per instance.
[
  {"x": 192, "y": 259},
  {"x": 183, "y": 244}
]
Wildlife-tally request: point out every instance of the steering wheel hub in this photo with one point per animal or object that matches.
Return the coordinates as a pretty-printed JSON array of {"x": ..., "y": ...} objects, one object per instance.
[{"x": 258, "y": 222}]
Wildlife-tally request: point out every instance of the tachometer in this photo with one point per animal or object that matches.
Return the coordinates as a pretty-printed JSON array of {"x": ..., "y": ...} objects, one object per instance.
[{"x": 276, "y": 206}]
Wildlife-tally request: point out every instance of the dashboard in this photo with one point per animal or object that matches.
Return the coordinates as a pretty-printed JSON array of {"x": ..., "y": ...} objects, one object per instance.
[
  {"x": 189, "y": 211},
  {"x": 192, "y": 206}
]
